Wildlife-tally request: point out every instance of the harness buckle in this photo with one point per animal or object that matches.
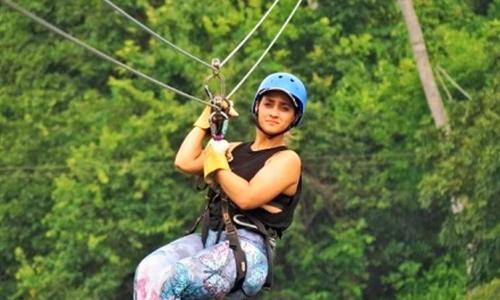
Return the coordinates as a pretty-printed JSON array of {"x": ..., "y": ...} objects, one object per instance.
[
  {"x": 272, "y": 242},
  {"x": 237, "y": 220}
]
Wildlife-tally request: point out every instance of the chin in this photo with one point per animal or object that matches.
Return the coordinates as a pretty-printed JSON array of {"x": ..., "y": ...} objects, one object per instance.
[{"x": 272, "y": 131}]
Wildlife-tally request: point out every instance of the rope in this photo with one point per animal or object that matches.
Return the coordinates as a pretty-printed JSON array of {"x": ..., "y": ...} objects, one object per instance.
[
  {"x": 230, "y": 55},
  {"x": 266, "y": 51},
  {"x": 156, "y": 35},
  {"x": 97, "y": 52}
]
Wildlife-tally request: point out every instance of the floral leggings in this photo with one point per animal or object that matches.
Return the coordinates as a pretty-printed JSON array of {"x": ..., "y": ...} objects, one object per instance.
[{"x": 184, "y": 269}]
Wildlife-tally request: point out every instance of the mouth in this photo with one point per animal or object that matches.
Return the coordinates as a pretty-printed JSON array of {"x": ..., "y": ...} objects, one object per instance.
[{"x": 272, "y": 122}]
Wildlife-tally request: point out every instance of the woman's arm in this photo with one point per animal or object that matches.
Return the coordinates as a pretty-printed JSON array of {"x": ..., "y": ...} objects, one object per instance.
[
  {"x": 189, "y": 158},
  {"x": 279, "y": 175}
]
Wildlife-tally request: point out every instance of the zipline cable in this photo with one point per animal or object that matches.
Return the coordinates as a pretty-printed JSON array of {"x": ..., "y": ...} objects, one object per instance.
[
  {"x": 156, "y": 35},
  {"x": 97, "y": 52},
  {"x": 230, "y": 55},
  {"x": 266, "y": 51}
]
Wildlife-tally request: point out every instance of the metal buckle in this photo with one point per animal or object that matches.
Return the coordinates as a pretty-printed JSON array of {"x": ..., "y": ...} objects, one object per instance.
[{"x": 243, "y": 223}]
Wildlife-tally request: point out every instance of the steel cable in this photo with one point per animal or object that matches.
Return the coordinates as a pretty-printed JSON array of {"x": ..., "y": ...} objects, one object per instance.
[
  {"x": 97, "y": 52},
  {"x": 166, "y": 86},
  {"x": 266, "y": 51},
  {"x": 156, "y": 35},
  {"x": 230, "y": 55}
]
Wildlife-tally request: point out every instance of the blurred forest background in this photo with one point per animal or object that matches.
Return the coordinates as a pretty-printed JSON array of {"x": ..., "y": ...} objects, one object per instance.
[{"x": 393, "y": 208}]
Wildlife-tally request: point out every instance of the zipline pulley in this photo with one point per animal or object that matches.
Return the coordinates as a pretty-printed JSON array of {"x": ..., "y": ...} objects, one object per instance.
[
  {"x": 219, "y": 118},
  {"x": 220, "y": 105}
]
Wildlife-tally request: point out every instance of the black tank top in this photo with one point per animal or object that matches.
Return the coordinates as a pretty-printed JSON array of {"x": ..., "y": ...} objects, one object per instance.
[{"x": 246, "y": 163}]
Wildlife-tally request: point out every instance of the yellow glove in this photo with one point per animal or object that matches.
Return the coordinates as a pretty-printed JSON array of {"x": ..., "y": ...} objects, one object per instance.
[
  {"x": 215, "y": 159},
  {"x": 203, "y": 120},
  {"x": 231, "y": 111}
]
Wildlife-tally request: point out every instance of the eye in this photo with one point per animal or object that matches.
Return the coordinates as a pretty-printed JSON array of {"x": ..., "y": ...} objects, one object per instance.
[
  {"x": 267, "y": 103},
  {"x": 286, "y": 107}
]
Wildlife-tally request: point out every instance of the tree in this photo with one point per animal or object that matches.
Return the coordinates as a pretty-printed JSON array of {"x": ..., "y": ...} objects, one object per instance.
[{"x": 424, "y": 68}]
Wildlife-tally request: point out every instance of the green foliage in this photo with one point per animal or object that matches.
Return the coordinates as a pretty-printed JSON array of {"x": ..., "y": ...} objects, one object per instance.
[
  {"x": 442, "y": 280},
  {"x": 392, "y": 208},
  {"x": 335, "y": 263},
  {"x": 465, "y": 182},
  {"x": 488, "y": 291}
]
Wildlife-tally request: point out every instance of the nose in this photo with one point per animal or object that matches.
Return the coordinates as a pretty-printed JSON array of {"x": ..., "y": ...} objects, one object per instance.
[{"x": 274, "y": 111}]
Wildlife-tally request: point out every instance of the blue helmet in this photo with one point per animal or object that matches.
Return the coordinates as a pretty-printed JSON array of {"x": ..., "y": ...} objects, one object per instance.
[{"x": 290, "y": 85}]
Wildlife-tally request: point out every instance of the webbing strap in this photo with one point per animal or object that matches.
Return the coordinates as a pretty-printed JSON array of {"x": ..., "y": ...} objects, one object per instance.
[
  {"x": 270, "y": 239},
  {"x": 234, "y": 243},
  {"x": 201, "y": 218},
  {"x": 204, "y": 227}
]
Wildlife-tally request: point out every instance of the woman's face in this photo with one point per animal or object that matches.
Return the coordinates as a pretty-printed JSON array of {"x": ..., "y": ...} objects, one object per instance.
[{"x": 275, "y": 112}]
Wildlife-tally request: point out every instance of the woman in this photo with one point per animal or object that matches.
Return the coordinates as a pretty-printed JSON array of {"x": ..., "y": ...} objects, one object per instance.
[{"x": 257, "y": 191}]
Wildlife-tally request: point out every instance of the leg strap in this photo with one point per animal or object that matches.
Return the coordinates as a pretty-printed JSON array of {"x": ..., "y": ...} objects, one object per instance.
[
  {"x": 234, "y": 243},
  {"x": 203, "y": 219},
  {"x": 270, "y": 240}
]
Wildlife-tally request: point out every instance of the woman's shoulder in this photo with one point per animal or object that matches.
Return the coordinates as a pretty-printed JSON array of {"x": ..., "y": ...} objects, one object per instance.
[
  {"x": 291, "y": 154},
  {"x": 288, "y": 156}
]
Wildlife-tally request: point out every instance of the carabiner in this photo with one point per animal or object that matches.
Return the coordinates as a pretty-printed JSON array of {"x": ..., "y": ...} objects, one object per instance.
[
  {"x": 218, "y": 119},
  {"x": 216, "y": 75}
]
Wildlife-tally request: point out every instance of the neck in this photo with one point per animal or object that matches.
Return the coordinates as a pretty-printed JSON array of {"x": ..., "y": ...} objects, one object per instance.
[{"x": 263, "y": 141}]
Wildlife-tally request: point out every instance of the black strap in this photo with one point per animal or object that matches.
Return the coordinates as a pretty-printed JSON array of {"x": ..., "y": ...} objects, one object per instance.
[
  {"x": 234, "y": 244},
  {"x": 198, "y": 220},
  {"x": 203, "y": 219},
  {"x": 204, "y": 226},
  {"x": 270, "y": 240}
]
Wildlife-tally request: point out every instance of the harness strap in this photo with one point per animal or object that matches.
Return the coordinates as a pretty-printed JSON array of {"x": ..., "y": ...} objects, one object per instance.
[
  {"x": 270, "y": 241},
  {"x": 201, "y": 219},
  {"x": 234, "y": 244}
]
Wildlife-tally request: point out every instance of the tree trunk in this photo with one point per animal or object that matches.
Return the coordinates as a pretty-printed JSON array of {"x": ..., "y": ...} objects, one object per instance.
[{"x": 424, "y": 68}]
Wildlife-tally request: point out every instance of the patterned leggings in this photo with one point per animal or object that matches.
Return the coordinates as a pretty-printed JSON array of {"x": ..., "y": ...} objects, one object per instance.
[{"x": 184, "y": 269}]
